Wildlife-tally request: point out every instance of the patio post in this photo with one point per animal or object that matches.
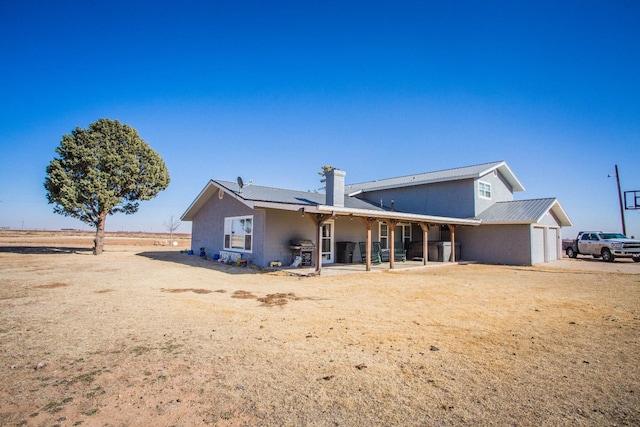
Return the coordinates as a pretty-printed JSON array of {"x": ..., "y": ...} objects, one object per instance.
[
  {"x": 391, "y": 227},
  {"x": 319, "y": 220},
  {"x": 367, "y": 223},
  {"x": 425, "y": 242}
]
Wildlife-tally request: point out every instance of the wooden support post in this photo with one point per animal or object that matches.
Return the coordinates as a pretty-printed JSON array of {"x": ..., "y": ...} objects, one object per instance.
[
  {"x": 318, "y": 247},
  {"x": 319, "y": 220},
  {"x": 391, "y": 228},
  {"x": 425, "y": 242},
  {"x": 367, "y": 223},
  {"x": 452, "y": 229}
]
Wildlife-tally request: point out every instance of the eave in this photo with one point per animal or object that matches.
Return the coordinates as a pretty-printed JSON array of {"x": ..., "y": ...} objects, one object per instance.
[{"x": 402, "y": 216}]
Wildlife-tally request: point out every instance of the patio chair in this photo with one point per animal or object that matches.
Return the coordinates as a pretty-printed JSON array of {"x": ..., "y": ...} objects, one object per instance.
[
  {"x": 400, "y": 253},
  {"x": 376, "y": 253},
  {"x": 375, "y": 256}
]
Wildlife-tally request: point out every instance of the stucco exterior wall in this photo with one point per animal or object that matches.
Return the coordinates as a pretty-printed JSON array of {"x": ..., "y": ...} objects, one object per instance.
[
  {"x": 501, "y": 191},
  {"x": 280, "y": 228},
  {"x": 208, "y": 227},
  {"x": 459, "y": 199},
  {"x": 354, "y": 230},
  {"x": 455, "y": 198},
  {"x": 496, "y": 244}
]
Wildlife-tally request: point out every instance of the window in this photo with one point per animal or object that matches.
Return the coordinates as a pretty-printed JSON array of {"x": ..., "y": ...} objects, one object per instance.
[
  {"x": 384, "y": 236},
  {"x": 402, "y": 235},
  {"x": 405, "y": 232},
  {"x": 484, "y": 190},
  {"x": 238, "y": 233}
]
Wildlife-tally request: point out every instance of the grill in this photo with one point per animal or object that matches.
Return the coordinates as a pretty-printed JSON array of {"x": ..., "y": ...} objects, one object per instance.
[{"x": 304, "y": 249}]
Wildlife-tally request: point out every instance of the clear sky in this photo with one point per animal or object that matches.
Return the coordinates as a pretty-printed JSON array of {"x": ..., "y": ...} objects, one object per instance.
[{"x": 271, "y": 91}]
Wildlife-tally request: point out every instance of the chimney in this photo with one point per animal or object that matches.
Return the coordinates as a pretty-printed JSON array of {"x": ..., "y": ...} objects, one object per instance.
[{"x": 335, "y": 187}]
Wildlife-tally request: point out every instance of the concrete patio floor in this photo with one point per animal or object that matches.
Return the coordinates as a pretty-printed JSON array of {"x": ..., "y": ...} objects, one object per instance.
[{"x": 341, "y": 269}]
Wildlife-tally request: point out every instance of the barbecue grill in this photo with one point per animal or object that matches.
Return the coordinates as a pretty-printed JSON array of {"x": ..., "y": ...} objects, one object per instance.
[{"x": 304, "y": 249}]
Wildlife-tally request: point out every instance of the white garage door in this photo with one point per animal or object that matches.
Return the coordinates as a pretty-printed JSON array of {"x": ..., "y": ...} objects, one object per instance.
[
  {"x": 552, "y": 245},
  {"x": 537, "y": 245}
]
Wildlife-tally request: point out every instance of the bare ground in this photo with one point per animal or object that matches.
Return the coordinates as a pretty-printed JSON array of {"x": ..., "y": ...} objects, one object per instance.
[{"x": 146, "y": 335}]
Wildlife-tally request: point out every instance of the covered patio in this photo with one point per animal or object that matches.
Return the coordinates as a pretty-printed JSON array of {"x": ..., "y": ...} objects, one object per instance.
[{"x": 321, "y": 214}]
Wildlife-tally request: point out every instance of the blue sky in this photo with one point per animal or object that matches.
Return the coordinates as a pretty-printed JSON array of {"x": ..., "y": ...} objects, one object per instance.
[{"x": 270, "y": 91}]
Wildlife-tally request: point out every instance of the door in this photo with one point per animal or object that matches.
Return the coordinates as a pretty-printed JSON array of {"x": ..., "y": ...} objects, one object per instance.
[
  {"x": 595, "y": 245},
  {"x": 537, "y": 245},
  {"x": 551, "y": 251},
  {"x": 326, "y": 246},
  {"x": 584, "y": 244}
]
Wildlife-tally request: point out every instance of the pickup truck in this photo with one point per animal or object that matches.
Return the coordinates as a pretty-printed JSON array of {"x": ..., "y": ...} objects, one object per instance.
[{"x": 609, "y": 246}]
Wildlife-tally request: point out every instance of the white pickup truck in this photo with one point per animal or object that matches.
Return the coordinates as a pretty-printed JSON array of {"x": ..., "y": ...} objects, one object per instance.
[{"x": 609, "y": 246}]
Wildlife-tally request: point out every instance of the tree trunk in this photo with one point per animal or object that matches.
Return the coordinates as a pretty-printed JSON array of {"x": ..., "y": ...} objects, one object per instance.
[{"x": 98, "y": 242}]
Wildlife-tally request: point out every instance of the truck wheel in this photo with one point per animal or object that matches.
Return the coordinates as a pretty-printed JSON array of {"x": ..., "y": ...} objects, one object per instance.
[
  {"x": 636, "y": 259},
  {"x": 607, "y": 256},
  {"x": 571, "y": 253}
]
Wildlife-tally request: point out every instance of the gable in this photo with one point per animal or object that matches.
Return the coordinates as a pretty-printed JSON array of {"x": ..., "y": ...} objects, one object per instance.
[{"x": 524, "y": 212}]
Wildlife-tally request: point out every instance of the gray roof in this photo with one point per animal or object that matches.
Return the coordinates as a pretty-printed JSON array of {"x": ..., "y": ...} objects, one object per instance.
[
  {"x": 294, "y": 197},
  {"x": 523, "y": 212},
  {"x": 467, "y": 172},
  {"x": 280, "y": 198}
]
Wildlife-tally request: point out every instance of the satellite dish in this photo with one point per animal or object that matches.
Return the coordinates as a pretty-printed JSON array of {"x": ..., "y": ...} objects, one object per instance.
[{"x": 240, "y": 182}]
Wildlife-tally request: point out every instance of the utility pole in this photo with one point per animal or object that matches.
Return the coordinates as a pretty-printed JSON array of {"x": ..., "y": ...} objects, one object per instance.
[{"x": 624, "y": 228}]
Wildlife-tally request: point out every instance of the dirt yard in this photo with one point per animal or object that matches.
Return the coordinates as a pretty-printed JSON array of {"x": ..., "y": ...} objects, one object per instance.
[{"x": 147, "y": 335}]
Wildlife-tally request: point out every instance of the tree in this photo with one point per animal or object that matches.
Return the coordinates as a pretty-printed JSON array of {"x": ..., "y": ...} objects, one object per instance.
[
  {"x": 103, "y": 170},
  {"x": 171, "y": 225},
  {"x": 324, "y": 169}
]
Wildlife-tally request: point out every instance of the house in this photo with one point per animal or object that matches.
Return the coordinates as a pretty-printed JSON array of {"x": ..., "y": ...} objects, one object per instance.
[{"x": 463, "y": 213}]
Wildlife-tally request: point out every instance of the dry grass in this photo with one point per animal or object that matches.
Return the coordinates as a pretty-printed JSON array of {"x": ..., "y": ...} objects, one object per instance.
[{"x": 171, "y": 339}]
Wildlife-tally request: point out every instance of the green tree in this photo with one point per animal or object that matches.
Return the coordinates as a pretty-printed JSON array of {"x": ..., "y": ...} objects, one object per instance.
[
  {"x": 103, "y": 170},
  {"x": 323, "y": 170}
]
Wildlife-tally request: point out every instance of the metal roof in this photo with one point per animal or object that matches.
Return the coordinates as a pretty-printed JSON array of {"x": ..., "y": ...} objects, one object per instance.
[
  {"x": 467, "y": 172},
  {"x": 280, "y": 198},
  {"x": 258, "y": 193},
  {"x": 523, "y": 212}
]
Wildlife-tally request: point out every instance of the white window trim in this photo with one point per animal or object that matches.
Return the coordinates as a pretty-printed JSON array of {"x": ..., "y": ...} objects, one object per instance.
[
  {"x": 227, "y": 223},
  {"x": 482, "y": 191},
  {"x": 406, "y": 236},
  {"x": 384, "y": 240}
]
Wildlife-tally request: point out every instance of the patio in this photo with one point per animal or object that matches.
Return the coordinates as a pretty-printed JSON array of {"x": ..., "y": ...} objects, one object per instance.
[{"x": 342, "y": 269}]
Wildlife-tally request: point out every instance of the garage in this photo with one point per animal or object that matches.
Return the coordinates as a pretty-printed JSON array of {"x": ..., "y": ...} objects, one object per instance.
[{"x": 544, "y": 244}]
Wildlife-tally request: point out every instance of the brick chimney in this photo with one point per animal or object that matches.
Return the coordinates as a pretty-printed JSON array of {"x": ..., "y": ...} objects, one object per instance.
[{"x": 335, "y": 187}]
